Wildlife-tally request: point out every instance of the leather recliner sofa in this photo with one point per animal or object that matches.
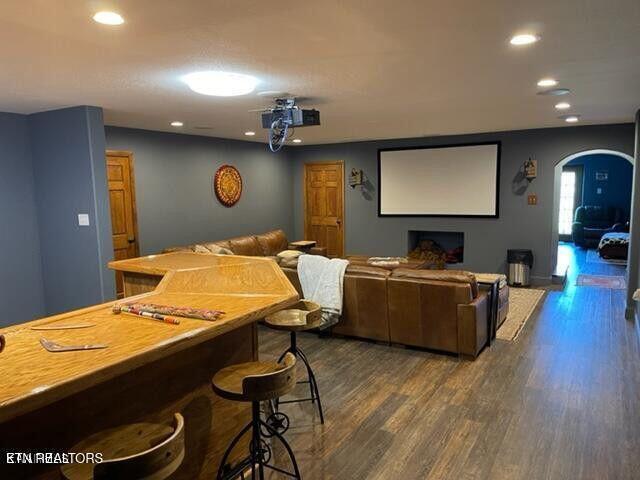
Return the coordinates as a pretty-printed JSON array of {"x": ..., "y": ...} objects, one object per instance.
[{"x": 592, "y": 222}]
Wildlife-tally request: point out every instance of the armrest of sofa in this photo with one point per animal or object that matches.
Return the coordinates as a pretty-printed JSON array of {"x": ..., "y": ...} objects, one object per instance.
[
  {"x": 473, "y": 321},
  {"x": 318, "y": 251},
  {"x": 577, "y": 232},
  {"x": 619, "y": 227}
]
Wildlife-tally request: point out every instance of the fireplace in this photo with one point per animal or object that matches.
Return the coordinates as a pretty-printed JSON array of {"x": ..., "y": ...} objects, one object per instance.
[{"x": 440, "y": 248}]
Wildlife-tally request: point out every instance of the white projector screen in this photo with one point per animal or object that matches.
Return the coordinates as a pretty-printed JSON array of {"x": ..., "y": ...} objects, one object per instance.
[{"x": 452, "y": 181}]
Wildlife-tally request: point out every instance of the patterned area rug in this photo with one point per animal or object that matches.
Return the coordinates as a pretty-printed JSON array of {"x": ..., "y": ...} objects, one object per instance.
[
  {"x": 593, "y": 257},
  {"x": 602, "y": 281},
  {"x": 522, "y": 303}
]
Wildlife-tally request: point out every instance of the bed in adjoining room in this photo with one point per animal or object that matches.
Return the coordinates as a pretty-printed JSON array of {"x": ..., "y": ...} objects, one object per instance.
[{"x": 614, "y": 245}]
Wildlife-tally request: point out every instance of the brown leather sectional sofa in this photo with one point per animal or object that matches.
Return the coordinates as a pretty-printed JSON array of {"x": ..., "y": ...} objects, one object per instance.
[
  {"x": 437, "y": 309},
  {"x": 263, "y": 245}
]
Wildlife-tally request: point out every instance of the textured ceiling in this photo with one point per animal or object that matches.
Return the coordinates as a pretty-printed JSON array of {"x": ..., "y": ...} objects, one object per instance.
[{"x": 378, "y": 68}]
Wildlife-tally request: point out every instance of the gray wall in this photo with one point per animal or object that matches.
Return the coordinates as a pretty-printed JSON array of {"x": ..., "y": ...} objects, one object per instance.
[
  {"x": 21, "y": 289},
  {"x": 70, "y": 178},
  {"x": 486, "y": 240},
  {"x": 174, "y": 187}
]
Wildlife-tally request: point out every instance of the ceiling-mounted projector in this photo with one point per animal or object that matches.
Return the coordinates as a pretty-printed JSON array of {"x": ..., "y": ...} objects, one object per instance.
[
  {"x": 296, "y": 117},
  {"x": 285, "y": 114}
]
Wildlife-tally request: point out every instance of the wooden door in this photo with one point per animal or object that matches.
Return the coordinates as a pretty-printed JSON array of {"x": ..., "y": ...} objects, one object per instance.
[
  {"x": 122, "y": 200},
  {"x": 324, "y": 207}
]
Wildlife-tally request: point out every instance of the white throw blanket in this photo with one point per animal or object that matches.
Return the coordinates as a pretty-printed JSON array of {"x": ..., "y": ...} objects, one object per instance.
[{"x": 322, "y": 280}]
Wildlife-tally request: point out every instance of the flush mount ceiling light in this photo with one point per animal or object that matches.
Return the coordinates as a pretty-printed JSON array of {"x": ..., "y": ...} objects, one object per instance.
[
  {"x": 177, "y": 124},
  {"x": 249, "y": 134},
  {"x": 524, "y": 39},
  {"x": 571, "y": 119},
  {"x": 563, "y": 106},
  {"x": 296, "y": 140},
  {"x": 108, "y": 18},
  {"x": 547, "y": 82},
  {"x": 220, "y": 84}
]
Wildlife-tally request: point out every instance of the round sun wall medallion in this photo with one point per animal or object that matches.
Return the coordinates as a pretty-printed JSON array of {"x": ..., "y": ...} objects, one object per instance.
[{"x": 227, "y": 184}]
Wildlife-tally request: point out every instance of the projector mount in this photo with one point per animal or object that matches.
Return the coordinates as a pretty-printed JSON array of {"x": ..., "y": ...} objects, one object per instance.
[{"x": 281, "y": 121}]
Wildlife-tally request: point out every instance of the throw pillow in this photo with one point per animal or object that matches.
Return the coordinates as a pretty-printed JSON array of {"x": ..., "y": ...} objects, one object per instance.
[
  {"x": 220, "y": 251},
  {"x": 290, "y": 254}
]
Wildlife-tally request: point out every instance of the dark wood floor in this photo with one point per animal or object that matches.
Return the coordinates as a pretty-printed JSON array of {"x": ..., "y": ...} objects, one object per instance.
[{"x": 562, "y": 402}]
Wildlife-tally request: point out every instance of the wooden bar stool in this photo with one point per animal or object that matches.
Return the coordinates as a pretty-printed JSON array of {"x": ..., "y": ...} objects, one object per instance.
[
  {"x": 305, "y": 315},
  {"x": 136, "y": 451},
  {"x": 256, "y": 382}
]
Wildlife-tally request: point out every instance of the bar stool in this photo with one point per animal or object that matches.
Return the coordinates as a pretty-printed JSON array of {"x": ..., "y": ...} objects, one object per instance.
[
  {"x": 131, "y": 452},
  {"x": 305, "y": 315},
  {"x": 256, "y": 382}
]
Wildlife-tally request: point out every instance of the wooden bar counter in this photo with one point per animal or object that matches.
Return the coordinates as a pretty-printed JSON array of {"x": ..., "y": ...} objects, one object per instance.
[
  {"x": 50, "y": 401},
  {"x": 143, "y": 274}
]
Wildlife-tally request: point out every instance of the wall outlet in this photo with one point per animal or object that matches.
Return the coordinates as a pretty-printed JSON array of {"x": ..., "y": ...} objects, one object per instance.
[
  {"x": 83, "y": 219},
  {"x": 599, "y": 191},
  {"x": 532, "y": 199}
]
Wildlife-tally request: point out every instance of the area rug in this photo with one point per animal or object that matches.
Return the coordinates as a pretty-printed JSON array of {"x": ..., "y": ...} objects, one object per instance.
[
  {"x": 602, "y": 281},
  {"x": 522, "y": 303},
  {"x": 593, "y": 257}
]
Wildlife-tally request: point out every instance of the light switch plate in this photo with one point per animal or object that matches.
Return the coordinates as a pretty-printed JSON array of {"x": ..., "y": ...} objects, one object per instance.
[
  {"x": 83, "y": 219},
  {"x": 599, "y": 191}
]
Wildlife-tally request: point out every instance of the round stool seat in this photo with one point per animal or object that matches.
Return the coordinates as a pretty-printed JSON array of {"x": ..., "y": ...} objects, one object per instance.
[
  {"x": 132, "y": 449},
  {"x": 230, "y": 382},
  {"x": 305, "y": 315}
]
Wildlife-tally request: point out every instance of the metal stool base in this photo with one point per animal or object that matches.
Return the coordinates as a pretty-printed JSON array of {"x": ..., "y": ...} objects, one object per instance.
[
  {"x": 311, "y": 378},
  {"x": 260, "y": 453}
]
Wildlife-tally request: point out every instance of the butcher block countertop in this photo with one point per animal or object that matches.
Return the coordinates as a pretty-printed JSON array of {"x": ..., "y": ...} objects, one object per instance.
[
  {"x": 162, "y": 263},
  {"x": 245, "y": 288}
]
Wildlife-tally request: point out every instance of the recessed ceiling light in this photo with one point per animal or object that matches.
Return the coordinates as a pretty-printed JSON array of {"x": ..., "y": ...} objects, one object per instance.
[
  {"x": 524, "y": 39},
  {"x": 547, "y": 82},
  {"x": 571, "y": 119},
  {"x": 220, "y": 84},
  {"x": 563, "y": 105},
  {"x": 296, "y": 140},
  {"x": 177, "y": 124},
  {"x": 108, "y": 18},
  {"x": 249, "y": 134}
]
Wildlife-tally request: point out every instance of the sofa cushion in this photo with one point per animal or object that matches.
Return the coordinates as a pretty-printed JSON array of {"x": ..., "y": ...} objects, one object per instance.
[
  {"x": 248, "y": 246},
  {"x": 357, "y": 269},
  {"x": 216, "y": 249},
  {"x": 187, "y": 248},
  {"x": 218, "y": 244},
  {"x": 452, "y": 276},
  {"x": 272, "y": 243},
  {"x": 200, "y": 248},
  {"x": 365, "y": 260}
]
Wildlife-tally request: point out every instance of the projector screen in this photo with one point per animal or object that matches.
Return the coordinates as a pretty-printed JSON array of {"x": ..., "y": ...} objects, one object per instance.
[{"x": 451, "y": 181}]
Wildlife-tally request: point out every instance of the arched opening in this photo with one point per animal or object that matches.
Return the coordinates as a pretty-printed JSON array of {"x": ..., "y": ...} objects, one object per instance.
[{"x": 555, "y": 234}]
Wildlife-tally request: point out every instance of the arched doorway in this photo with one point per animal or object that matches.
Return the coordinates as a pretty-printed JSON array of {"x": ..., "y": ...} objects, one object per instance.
[{"x": 557, "y": 174}]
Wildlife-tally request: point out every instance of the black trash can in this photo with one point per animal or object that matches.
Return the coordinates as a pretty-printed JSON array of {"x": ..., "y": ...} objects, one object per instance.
[{"x": 520, "y": 263}]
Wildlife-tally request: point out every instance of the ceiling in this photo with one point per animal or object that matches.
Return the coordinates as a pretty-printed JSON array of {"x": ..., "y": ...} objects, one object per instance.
[{"x": 377, "y": 68}]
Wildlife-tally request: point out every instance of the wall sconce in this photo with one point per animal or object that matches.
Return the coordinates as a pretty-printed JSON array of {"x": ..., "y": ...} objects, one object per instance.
[
  {"x": 355, "y": 178},
  {"x": 530, "y": 169}
]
